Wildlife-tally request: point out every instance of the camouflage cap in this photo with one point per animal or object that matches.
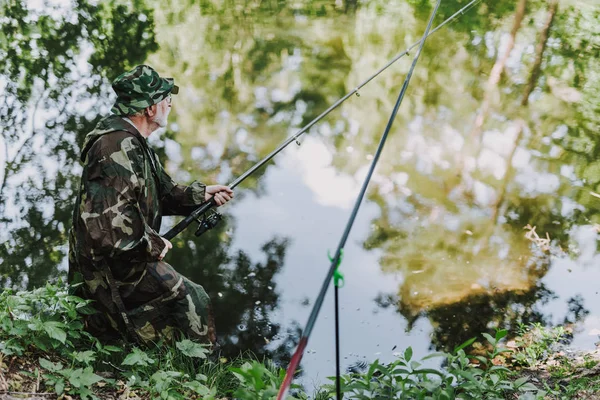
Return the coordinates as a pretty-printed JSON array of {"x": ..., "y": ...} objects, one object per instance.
[{"x": 140, "y": 88}]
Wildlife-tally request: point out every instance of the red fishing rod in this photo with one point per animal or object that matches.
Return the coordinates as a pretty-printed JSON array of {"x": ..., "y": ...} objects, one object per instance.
[{"x": 336, "y": 259}]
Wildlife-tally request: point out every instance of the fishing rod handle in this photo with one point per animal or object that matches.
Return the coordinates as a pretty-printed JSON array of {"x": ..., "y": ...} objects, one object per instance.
[{"x": 184, "y": 223}]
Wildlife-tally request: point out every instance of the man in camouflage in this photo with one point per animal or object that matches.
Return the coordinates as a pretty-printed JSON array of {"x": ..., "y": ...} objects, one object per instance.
[{"x": 115, "y": 249}]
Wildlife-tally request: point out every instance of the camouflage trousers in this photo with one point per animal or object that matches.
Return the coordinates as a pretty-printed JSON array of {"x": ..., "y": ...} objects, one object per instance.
[{"x": 159, "y": 304}]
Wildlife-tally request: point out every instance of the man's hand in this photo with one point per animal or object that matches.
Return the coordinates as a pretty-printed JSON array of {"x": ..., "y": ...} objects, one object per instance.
[
  {"x": 168, "y": 246},
  {"x": 221, "y": 193}
]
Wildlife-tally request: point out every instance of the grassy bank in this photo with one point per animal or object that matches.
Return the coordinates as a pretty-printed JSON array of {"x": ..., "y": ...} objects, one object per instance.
[{"x": 44, "y": 350}]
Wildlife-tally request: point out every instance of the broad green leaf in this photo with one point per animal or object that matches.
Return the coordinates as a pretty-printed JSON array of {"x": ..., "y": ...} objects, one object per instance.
[
  {"x": 201, "y": 378},
  {"x": 84, "y": 377},
  {"x": 137, "y": 357},
  {"x": 500, "y": 334},
  {"x": 495, "y": 378},
  {"x": 408, "y": 353},
  {"x": 519, "y": 382},
  {"x": 85, "y": 357},
  {"x": 59, "y": 387},
  {"x": 192, "y": 349},
  {"x": 527, "y": 387},
  {"x": 489, "y": 338},
  {"x": 55, "y": 331},
  {"x": 50, "y": 366},
  {"x": 197, "y": 387},
  {"x": 481, "y": 359}
]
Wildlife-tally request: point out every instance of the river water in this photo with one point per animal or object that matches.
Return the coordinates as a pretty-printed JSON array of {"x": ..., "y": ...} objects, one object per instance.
[{"x": 444, "y": 246}]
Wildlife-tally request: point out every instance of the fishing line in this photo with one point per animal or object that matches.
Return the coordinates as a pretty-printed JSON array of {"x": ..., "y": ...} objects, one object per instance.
[{"x": 211, "y": 221}]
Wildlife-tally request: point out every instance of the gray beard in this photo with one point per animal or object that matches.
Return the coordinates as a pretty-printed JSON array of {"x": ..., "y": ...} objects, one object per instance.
[{"x": 160, "y": 120}]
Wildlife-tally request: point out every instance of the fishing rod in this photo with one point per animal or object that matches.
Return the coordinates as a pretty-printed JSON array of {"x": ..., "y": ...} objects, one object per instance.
[
  {"x": 210, "y": 221},
  {"x": 336, "y": 259}
]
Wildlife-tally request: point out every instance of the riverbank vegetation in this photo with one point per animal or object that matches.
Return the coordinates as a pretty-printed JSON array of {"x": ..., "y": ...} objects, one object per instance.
[{"x": 44, "y": 349}]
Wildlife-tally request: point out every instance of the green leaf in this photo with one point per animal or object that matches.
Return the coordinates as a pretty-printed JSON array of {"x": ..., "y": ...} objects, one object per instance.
[
  {"x": 398, "y": 371},
  {"x": 84, "y": 377},
  {"x": 85, "y": 357},
  {"x": 192, "y": 349},
  {"x": 59, "y": 387},
  {"x": 197, "y": 387},
  {"x": 55, "y": 331},
  {"x": 408, "y": 353},
  {"x": 113, "y": 349},
  {"x": 137, "y": 357},
  {"x": 50, "y": 366},
  {"x": 238, "y": 373},
  {"x": 499, "y": 368},
  {"x": 465, "y": 344},
  {"x": 521, "y": 381},
  {"x": 201, "y": 378},
  {"x": 372, "y": 368},
  {"x": 495, "y": 378},
  {"x": 500, "y": 334},
  {"x": 481, "y": 359},
  {"x": 528, "y": 387},
  {"x": 427, "y": 371},
  {"x": 489, "y": 338},
  {"x": 433, "y": 355}
]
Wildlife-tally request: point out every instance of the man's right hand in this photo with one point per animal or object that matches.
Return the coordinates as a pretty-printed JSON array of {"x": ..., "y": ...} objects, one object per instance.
[
  {"x": 168, "y": 246},
  {"x": 221, "y": 193}
]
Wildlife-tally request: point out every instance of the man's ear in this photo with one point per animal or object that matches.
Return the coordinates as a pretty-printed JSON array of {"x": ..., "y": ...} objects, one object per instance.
[{"x": 151, "y": 111}]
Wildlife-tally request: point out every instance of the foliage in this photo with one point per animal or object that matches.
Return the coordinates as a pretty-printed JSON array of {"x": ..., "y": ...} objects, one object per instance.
[
  {"x": 45, "y": 326},
  {"x": 47, "y": 318},
  {"x": 536, "y": 342},
  {"x": 406, "y": 378},
  {"x": 257, "y": 381}
]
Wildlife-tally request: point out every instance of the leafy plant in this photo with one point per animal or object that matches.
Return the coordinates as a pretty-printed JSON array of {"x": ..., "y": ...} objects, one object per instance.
[
  {"x": 257, "y": 381},
  {"x": 46, "y": 318},
  {"x": 79, "y": 380},
  {"x": 46, "y": 323},
  {"x": 535, "y": 343},
  {"x": 406, "y": 378}
]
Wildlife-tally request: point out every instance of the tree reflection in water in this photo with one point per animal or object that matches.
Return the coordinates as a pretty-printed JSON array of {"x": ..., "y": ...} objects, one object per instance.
[
  {"x": 451, "y": 220},
  {"x": 244, "y": 292}
]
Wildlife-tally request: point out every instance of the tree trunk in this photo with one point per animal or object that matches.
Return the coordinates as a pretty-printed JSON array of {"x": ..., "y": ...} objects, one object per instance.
[
  {"x": 509, "y": 171},
  {"x": 535, "y": 72},
  {"x": 497, "y": 69},
  {"x": 539, "y": 52}
]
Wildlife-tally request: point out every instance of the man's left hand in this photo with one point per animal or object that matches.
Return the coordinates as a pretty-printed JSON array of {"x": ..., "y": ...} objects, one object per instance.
[{"x": 221, "y": 193}]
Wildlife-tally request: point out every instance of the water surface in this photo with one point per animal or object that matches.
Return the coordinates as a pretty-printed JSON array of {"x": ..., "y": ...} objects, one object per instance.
[{"x": 440, "y": 250}]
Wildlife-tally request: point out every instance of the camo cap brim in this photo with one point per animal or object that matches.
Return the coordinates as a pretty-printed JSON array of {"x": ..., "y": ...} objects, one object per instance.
[{"x": 140, "y": 88}]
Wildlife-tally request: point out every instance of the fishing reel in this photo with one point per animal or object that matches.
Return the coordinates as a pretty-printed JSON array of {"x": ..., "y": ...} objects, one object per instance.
[{"x": 209, "y": 221}]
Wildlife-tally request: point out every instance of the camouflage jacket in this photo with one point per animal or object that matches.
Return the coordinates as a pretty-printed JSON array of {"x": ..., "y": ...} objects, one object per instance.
[{"x": 123, "y": 194}]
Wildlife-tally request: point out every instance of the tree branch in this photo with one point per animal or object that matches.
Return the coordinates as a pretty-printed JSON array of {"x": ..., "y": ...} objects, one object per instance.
[
  {"x": 539, "y": 52},
  {"x": 496, "y": 72}
]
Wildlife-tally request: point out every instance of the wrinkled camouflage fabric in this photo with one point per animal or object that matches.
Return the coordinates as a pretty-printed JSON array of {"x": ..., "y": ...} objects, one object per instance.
[
  {"x": 140, "y": 88},
  {"x": 124, "y": 193}
]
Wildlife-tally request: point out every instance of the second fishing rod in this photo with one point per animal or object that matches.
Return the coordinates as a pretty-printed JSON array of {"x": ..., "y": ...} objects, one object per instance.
[{"x": 207, "y": 222}]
